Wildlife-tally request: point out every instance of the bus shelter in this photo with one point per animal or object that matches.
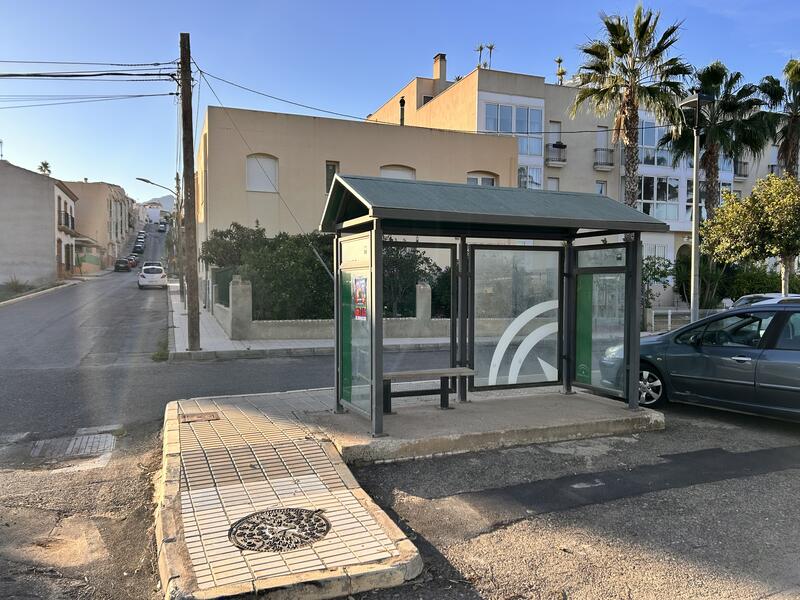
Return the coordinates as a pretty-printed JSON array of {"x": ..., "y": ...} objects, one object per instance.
[{"x": 542, "y": 294}]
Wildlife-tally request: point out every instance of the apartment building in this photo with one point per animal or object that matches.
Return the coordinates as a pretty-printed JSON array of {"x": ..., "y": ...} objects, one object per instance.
[
  {"x": 105, "y": 213},
  {"x": 38, "y": 230},
  {"x": 557, "y": 151}
]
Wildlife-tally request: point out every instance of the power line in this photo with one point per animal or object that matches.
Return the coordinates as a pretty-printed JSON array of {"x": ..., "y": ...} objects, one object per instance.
[
  {"x": 206, "y": 75},
  {"x": 263, "y": 170},
  {"x": 94, "y": 64},
  {"x": 79, "y": 74},
  {"x": 128, "y": 97}
]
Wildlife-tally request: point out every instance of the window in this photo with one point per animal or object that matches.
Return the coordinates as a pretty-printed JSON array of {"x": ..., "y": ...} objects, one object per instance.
[
  {"x": 789, "y": 338},
  {"x": 398, "y": 172},
  {"x": 528, "y": 123},
  {"x": 262, "y": 173},
  {"x": 552, "y": 184},
  {"x": 554, "y": 132},
  {"x": 331, "y": 169},
  {"x": 498, "y": 118},
  {"x": 600, "y": 187},
  {"x": 657, "y": 250},
  {"x": 658, "y": 196},
  {"x": 602, "y": 141},
  {"x": 426, "y": 99},
  {"x": 491, "y": 117},
  {"x": 725, "y": 164},
  {"x": 478, "y": 178},
  {"x": 529, "y": 177},
  {"x": 745, "y": 329},
  {"x": 649, "y": 152}
]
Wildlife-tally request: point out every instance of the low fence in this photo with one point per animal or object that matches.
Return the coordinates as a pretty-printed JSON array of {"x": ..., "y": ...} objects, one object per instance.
[
  {"x": 221, "y": 278},
  {"x": 666, "y": 319}
]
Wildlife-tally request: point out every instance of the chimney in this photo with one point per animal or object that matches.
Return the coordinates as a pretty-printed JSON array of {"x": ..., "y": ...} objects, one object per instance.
[
  {"x": 439, "y": 72},
  {"x": 402, "y": 110}
]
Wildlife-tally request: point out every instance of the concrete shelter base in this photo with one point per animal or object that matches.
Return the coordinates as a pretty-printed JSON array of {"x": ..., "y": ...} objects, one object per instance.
[{"x": 420, "y": 429}]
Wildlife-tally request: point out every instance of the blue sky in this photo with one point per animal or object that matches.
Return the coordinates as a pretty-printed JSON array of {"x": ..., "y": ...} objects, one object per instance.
[{"x": 347, "y": 56}]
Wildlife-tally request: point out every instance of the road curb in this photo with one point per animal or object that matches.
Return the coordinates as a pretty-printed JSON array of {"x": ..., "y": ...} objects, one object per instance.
[{"x": 60, "y": 286}]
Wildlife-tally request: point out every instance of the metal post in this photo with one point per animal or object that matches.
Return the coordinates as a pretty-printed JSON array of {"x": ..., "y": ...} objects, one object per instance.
[
  {"x": 567, "y": 319},
  {"x": 463, "y": 302},
  {"x": 633, "y": 294},
  {"x": 376, "y": 322},
  {"x": 337, "y": 325},
  {"x": 694, "y": 304}
]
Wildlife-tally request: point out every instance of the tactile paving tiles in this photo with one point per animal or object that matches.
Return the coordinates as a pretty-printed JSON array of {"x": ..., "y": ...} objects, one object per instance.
[{"x": 259, "y": 455}]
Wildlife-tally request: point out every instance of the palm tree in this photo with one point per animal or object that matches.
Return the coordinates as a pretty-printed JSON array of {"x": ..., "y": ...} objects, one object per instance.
[
  {"x": 627, "y": 70},
  {"x": 44, "y": 167},
  {"x": 733, "y": 124},
  {"x": 490, "y": 48},
  {"x": 479, "y": 49},
  {"x": 784, "y": 101}
]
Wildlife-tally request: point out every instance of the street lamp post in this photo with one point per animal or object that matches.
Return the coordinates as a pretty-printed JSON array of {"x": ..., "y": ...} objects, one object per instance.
[
  {"x": 176, "y": 228},
  {"x": 695, "y": 102}
]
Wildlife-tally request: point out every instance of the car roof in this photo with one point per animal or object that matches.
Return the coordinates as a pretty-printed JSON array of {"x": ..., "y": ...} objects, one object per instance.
[{"x": 778, "y": 299}]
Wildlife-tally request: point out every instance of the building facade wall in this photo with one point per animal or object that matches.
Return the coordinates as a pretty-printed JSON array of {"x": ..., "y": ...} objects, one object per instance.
[
  {"x": 27, "y": 240},
  {"x": 303, "y": 145},
  {"x": 102, "y": 213}
]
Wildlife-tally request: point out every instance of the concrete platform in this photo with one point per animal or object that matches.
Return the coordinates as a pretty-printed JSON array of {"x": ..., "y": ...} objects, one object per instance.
[
  {"x": 251, "y": 501},
  {"x": 420, "y": 429}
]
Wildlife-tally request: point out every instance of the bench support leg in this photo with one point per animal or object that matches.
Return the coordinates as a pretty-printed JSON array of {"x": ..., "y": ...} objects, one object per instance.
[
  {"x": 387, "y": 396},
  {"x": 444, "y": 399},
  {"x": 462, "y": 389}
]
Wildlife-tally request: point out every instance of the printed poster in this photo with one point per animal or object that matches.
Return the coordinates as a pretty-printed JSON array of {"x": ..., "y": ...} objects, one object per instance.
[{"x": 359, "y": 298}]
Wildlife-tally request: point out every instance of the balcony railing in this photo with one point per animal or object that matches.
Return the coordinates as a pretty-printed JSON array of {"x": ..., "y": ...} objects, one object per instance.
[
  {"x": 556, "y": 154},
  {"x": 741, "y": 169},
  {"x": 66, "y": 220},
  {"x": 775, "y": 170},
  {"x": 603, "y": 159}
]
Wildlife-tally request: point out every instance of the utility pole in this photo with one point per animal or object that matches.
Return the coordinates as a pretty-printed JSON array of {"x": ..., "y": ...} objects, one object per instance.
[{"x": 189, "y": 218}]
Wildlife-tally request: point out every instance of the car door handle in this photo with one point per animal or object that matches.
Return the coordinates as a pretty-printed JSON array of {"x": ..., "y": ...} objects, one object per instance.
[{"x": 741, "y": 359}]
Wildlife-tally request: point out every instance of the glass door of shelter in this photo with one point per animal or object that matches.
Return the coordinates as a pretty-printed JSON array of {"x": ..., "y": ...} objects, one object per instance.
[
  {"x": 355, "y": 355},
  {"x": 600, "y": 318},
  {"x": 516, "y": 314}
]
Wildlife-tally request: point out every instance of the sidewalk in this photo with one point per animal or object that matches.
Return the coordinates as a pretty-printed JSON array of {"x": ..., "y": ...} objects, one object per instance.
[
  {"x": 214, "y": 342},
  {"x": 252, "y": 499}
]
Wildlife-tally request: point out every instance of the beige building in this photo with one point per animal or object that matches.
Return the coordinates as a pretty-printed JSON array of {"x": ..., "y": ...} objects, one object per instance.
[
  {"x": 106, "y": 214},
  {"x": 284, "y": 170},
  {"x": 559, "y": 152},
  {"x": 38, "y": 229}
]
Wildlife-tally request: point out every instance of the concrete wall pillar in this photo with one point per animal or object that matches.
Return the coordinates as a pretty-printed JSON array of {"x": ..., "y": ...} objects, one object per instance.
[
  {"x": 241, "y": 306},
  {"x": 423, "y": 308}
]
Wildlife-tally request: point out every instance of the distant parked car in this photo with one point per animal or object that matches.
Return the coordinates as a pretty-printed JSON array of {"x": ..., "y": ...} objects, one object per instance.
[
  {"x": 122, "y": 264},
  {"x": 745, "y": 360},
  {"x": 162, "y": 227},
  {"x": 753, "y": 298},
  {"x": 138, "y": 249},
  {"x": 132, "y": 261},
  {"x": 152, "y": 277}
]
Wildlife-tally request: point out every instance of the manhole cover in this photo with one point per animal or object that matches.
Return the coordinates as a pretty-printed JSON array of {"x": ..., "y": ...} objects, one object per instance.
[{"x": 279, "y": 529}]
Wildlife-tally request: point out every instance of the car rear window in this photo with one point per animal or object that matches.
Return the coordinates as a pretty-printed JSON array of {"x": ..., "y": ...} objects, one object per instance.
[{"x": 153, "y": 270}]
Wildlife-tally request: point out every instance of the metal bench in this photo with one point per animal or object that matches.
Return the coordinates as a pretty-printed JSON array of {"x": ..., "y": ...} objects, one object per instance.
[{"x": 443, "y": 390}]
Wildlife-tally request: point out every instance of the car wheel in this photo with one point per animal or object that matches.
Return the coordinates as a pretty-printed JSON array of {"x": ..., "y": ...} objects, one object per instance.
[
  {"x": 140, "y": 286},
  {"x": 652, "y": 391}
]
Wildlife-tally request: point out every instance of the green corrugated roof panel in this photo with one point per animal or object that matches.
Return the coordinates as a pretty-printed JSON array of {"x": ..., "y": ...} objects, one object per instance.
[{"x": 352, "y": 196}]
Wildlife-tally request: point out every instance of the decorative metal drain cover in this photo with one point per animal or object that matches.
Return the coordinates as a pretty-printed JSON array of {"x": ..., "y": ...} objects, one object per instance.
[{"x": 279, "y": 529}]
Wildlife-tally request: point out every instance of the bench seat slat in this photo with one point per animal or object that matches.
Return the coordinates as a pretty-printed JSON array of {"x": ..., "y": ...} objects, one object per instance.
[{"x": 424, "y": 374}]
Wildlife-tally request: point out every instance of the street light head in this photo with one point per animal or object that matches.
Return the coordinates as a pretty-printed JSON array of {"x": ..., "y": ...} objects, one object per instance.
[
  {"x": 145, "y": 180},
  {"x": 696, "y": 101}
]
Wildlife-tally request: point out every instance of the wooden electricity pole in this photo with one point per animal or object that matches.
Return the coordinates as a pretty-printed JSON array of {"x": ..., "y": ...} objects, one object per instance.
[{"x": 189, "y": 217}]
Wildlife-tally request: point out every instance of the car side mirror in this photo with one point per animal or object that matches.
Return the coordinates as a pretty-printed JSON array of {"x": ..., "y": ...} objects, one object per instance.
[{"x": 695, "y": 339}]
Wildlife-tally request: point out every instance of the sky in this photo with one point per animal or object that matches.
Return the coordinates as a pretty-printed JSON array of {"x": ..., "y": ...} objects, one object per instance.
[{"x": 344, "y": 56}]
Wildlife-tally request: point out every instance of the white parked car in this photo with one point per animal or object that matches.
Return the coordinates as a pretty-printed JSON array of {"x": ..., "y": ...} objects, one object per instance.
[{"x": 152, "y": 277}]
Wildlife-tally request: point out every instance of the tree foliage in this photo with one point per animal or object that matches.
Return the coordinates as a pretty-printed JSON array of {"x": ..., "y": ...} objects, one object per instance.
[
  {"x": 656, "y": 271},
  {"x": 732, "y": 125},
  {"x": 784, "y": 102},
  {"x": 765, "y": 224},
  {"x": 627, "y": 70},
  {"x": 227, "y": 247},
  {"x": 403, "y": 268}
]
